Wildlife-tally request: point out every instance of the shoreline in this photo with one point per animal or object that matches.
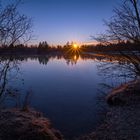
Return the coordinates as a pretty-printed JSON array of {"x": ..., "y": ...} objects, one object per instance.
[
  {"x": 17, "y": 124},
  {"x": 121, "y": 122},
  {"x": 122, "y": 119}
]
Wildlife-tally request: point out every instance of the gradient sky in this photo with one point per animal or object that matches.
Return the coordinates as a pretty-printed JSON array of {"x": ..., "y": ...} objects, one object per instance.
[{"x": 59, "y": 21}]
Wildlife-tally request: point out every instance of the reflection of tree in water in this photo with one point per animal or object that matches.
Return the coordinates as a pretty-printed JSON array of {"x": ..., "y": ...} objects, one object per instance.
[
  {"x": 9, "y": 70},
  {"x": 43, "y": 60},
  {"x": 9, "y": 77},
  {"x": 114, "y": 71},
  {"x": 112, "y": 74},
  {"x": 117, "y": 72},
  {"x": 71, "y": 59}
]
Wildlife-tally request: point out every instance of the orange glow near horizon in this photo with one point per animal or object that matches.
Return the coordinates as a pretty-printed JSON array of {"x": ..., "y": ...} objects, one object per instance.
[{"x": 75, "y": 46}]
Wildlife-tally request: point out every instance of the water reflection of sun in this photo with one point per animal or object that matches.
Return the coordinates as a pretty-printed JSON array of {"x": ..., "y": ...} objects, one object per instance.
[{"x": 75, "y": 57}]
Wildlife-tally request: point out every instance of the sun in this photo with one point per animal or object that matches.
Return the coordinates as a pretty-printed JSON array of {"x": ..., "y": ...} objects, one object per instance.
[{"x": 75, "y": 46}]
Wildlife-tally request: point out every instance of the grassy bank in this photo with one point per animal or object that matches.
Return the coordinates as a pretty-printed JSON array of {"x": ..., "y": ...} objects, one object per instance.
[
  {"x": 122, "y": 120},
  {"x": 16, "y": 124}
]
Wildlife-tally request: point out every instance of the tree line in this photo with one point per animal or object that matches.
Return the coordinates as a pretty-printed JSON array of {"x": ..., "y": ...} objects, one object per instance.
[{"x": 122, "y": 33}]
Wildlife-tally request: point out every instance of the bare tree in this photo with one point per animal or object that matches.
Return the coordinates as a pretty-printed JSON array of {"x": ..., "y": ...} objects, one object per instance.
[
  {"x": 14, "y": 27},
  {"x": 124, "y": 25}
]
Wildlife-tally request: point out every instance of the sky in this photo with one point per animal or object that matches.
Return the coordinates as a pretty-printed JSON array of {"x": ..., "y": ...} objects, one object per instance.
[{"x": 59, "y": 21}]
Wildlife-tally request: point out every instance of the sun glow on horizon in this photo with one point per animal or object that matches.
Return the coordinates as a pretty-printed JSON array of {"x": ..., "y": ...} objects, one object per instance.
[{"x": 75, "y": 46}]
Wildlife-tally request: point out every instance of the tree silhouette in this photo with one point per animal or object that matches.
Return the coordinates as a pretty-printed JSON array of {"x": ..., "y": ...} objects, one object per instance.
[
  {"x": 124, "y": 24},
  {"x": 43, "y": 46},
  {"x": 15, "y": 28}
]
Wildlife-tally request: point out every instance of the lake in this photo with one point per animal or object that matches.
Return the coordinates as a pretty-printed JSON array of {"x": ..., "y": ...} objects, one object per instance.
[{"x": 68, "y": 90}]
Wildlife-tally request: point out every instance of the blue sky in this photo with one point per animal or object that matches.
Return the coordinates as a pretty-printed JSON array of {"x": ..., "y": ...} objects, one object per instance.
[{"x": 59, "y": 21}]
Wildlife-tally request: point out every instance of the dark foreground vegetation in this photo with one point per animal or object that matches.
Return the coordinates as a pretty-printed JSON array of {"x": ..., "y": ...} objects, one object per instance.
[{"x": 16, "y": 124}]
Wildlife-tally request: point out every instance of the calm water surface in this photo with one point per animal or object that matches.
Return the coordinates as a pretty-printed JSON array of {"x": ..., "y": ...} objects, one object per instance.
[{"x": 67, "y": 90}]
